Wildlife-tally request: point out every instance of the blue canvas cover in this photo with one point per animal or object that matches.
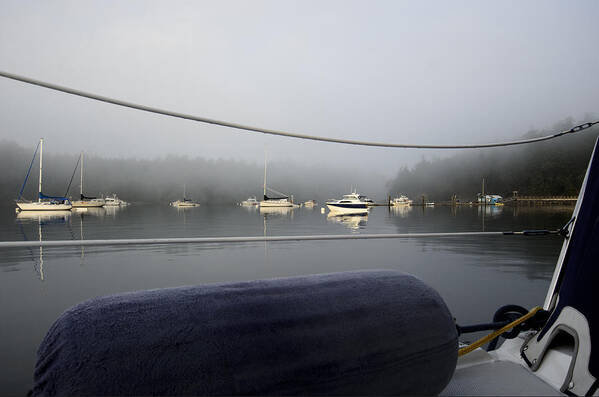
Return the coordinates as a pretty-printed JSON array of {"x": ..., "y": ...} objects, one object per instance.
[{"x": 352, "y": 333}]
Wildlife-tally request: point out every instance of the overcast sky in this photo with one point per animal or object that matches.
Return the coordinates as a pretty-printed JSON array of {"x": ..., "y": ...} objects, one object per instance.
[{"x": 405, "y": 72}]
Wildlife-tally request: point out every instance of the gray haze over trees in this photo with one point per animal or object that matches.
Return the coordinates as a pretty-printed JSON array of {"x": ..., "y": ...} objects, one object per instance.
[
  {"x": 555, "y": 167},
  {"x": 212, "y": 182},
  {"x": 397, "y": 71}
]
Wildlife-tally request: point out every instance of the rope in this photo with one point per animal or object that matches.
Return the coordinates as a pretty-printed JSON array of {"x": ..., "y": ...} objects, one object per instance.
[
  {"x": 491, "y": 336},
  {"x": 212, "y": 240},
  {"x": 28, "y": 172},
  {"x": 277, "y": 132},
  {"x": 72, "y": 176}
]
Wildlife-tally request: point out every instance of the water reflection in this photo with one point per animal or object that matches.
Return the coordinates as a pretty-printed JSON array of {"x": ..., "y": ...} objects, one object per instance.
[
  {"x": 44, "y": 216},
  {"x": 92, "y": 211},
  {"x": 401, "y": 211},
  {"x": 352, "y": 222},
  {"x": 281, "y": 211},
  {"x": 113, "y": 210},
  {"x": 490, "y": 210}
]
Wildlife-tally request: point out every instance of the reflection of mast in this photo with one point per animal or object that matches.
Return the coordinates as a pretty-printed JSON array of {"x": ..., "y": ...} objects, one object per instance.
[
  {"x": 81, "y": 229},
  {"x": 39, "y": 230}
]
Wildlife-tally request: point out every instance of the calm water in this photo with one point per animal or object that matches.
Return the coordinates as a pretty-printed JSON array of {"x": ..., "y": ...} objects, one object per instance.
[{"x": 474, "y": 275}]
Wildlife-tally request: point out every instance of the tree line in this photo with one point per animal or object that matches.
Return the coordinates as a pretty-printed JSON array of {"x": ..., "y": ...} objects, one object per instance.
[{"x": 554, "y": 167}]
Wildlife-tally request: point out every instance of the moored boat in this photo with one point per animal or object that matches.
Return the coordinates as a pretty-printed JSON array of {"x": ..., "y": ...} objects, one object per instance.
[
  {"x": 250, "y": 202},
  {"x": 84, "y": 201},
  {"x": 348, "y": 204},
  {"x": 44, "y": 202},
  {"x": 402, "y": 200},
  {"x": 185, "y": 202},
  {"x": 281, "y": 201}
]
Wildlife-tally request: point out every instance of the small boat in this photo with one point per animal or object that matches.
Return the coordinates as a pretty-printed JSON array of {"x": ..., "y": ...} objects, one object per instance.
[
  {"x": 402, "y": 200},
  {"x": 348, "y": 204},
  {"x": 43, "y": 203},
  {"x": 250, "y": 202},
  {"x": 84, "y": 201},
  {"x": 367, "y": 200},
  {"x": 185, "y": 202},
  {"x": 114, "y": 201},
  {"x": 310, "y": 204}
]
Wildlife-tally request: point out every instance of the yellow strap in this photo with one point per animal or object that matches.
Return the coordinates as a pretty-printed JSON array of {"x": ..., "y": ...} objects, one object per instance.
[{"x": 490, "y": 337}]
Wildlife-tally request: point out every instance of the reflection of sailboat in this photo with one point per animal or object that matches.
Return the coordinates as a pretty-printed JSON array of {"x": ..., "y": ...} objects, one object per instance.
[
  {"x": 50, "y": 203},
  {"x": 276, "y": 210},
  {"x": 401, "y": 211},
  {"x": 43, "y": 216},
  {"x": 353, "y": 222},
  {"x": 83, "y": 200}
]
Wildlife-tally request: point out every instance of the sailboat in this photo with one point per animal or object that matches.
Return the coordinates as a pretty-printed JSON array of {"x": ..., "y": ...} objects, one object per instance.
[
  {"x": 85, "y": 201},
  {"x": 43, "y": 203},
  {"x": 282, "y": 201},
  {"x": 185, "y": 202}
]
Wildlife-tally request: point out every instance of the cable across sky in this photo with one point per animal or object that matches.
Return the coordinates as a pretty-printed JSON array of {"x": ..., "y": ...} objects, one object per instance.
[{"x": 228, "y": 124}]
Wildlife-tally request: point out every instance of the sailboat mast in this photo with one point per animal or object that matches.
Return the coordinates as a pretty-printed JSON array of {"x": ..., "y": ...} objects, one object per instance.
[
  {"x": 183, "y": 191},
  {"x": 81, "y": 182},
  {"x": 39, "y": 189},
  {"x": 265, "y": 173}
]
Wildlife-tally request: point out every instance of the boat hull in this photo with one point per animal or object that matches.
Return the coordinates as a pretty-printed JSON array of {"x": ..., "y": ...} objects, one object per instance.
[
  {"x": 347, "y": 209},
  {"x": 43, "y": 206},
  {"x": 276, "y": 203},
  {"x": 88, "y": 203},
  {"x": 184, "y": 205}
]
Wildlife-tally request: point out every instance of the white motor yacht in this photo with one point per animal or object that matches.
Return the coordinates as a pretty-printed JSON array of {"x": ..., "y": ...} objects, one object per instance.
[
  {"x": 402, "y": 200},
  {"x": 114, "y": 201},
  {"x": 348, "y": 204},
  {"x": 250, "y": 202}
]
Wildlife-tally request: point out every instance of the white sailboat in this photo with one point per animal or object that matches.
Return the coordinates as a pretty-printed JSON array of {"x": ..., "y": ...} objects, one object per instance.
[
  {"x": 185, "y": 202},
  {"x": 282, "y": 201},
  {"x": 86, "y": 202},
  {"x": 43, "y": 203}
]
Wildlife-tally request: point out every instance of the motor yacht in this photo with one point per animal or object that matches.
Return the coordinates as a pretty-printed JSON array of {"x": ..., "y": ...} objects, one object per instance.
[
  {"x": 402, "y": 200},
  {"x": 250, "y": 202},
  {"x": 348, "y": 204}
]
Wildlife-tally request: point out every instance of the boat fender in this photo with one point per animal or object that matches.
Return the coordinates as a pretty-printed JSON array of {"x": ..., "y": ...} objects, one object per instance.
[{"x": 354, "y": 333}]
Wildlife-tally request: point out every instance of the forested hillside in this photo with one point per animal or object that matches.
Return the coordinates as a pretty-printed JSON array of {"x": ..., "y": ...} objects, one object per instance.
[{"x": 554, "y": 167}]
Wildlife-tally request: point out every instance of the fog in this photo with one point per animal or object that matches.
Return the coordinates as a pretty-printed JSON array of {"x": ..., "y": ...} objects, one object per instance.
[
  {"x": 550, "y": 168},
  {"x": 404, "y": 72},
  {"x": 160, "y": 180}
]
